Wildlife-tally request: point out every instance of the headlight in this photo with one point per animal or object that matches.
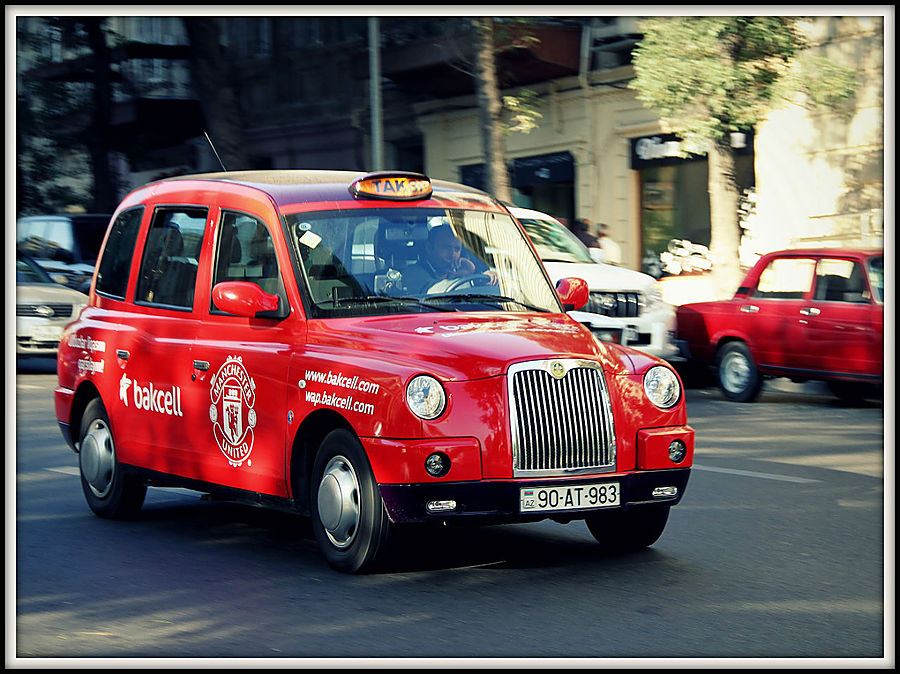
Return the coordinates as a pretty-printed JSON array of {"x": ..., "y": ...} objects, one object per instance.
[
  {"x": 425, "y": 397},
  {"x": 661, "y": 386}
]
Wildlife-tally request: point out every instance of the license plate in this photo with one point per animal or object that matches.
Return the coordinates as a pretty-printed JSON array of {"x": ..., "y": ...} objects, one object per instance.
[
  {"x": 46, "y": 333},
  {"x": 570, "y": 497}
]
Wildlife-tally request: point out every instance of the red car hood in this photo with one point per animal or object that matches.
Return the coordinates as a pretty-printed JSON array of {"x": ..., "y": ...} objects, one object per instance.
[{"x": 463, "y": 346}]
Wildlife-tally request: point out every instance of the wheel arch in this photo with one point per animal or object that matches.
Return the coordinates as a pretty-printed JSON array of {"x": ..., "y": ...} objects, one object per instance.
[
  {"x": 306, "y": 443},
  {"x": 84, "y": 394}
]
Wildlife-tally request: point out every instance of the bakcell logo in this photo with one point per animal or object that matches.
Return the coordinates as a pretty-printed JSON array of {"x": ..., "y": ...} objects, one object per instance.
[{"x": 233, "y": 395}]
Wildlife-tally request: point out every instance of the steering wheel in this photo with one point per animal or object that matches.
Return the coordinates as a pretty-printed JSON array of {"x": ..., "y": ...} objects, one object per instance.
[{"x": 449, "y": 285}]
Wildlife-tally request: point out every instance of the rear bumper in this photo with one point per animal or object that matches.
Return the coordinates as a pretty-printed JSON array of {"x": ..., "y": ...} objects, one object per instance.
[{"x": 498, "y": 500}]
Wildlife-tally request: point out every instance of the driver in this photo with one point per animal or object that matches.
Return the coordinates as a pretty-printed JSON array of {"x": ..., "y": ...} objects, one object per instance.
[{"x": 442, "y": 260}]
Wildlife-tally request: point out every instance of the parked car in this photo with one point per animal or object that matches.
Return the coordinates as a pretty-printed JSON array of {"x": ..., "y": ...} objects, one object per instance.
[
  {"x": 621, "y": 299},
  {"x": 43, "y": 308},
  {"x": 807, "y": 314},
  {"x": 262, "y": 335},
  {"x": 65, "y": 245}
]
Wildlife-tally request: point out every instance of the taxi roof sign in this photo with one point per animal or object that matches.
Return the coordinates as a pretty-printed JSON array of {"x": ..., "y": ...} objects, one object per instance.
[{"x": 395, "y": 185}]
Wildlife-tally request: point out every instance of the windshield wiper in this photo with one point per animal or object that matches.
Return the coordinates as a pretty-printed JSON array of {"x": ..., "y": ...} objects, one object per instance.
[
  {"x": 464, "y": 297},
  {"x": 378, "y": 299}
]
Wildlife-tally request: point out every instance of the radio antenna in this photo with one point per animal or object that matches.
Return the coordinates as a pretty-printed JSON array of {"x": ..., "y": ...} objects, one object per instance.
[{"x": 214, "y": 150}]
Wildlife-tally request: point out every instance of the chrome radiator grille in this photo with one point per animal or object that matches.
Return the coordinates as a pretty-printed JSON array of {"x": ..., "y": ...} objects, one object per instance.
[
  {"x": 561, "y": 419},
  {"x": 617, "y": 304}
]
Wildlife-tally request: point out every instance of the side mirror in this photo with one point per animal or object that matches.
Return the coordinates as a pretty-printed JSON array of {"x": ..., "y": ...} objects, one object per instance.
[
  {"x": 245, "y": 299},
  {"x": 599, "y": 255},
  {"x": 573, "y": 293}
]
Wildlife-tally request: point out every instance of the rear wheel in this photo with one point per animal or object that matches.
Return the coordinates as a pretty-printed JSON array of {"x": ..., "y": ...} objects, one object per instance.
[
  {"x": 738, "y": 377},
  {"x": 628, "y": 530},
  {"x": 348, "y": 516},
  {"x": 109, "y": 491}
]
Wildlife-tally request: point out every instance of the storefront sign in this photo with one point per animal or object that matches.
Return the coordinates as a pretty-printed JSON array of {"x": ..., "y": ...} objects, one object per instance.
[{"x": 666, "y": 149}]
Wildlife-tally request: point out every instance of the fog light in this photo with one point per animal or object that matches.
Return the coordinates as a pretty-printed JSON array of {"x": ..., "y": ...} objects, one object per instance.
[
  {"x": 677, "y": 451},
  {"x": 437, "y": 464},
  {"x": 665, "y": 492},
  {"x": 440, "y": 506}
]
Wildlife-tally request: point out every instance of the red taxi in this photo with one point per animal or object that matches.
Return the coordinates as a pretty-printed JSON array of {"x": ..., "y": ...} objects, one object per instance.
[
  {"x": 370, "y": 350},
  {"x": 801, "y": 313}
]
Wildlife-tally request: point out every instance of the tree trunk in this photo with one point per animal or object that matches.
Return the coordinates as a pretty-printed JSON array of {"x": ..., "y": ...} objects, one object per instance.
[
  {"x": 210, "y": 70},
  {"x": 491, "y": 111},
  {"x": 106, "y": 196},
  {"x": 723, "y": 208}
]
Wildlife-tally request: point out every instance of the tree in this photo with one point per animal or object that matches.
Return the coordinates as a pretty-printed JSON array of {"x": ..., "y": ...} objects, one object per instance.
[
  {"x": 708, "y": 77},
  {"x": 213, "y": 85},
  {"x": 491, "y": 110}
]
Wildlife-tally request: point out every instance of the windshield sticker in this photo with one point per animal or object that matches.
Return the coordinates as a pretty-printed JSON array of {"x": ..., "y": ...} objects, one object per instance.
[
  {"x": 233, "y": 394},
  {"x": 152, "y": 398},
  {"x": 310, "y": 239}
]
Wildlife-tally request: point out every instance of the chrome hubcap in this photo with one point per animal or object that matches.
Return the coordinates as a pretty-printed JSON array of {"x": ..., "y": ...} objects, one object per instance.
[
  {"x": 97, "y": 458},
  {"x": 338, "y": 502},
  {"x": 736, "y": 372}
]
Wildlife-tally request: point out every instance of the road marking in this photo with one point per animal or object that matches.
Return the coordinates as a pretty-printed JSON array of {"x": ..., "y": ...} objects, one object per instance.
[
  {"x": 68, "y": 470},
  {"x": 748, "y": 473}
]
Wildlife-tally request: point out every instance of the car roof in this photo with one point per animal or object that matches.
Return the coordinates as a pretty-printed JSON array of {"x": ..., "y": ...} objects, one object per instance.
[
  {"x": 290, "y": 186},
  {"x": 531, "y": 213},
  {"x": 825, "y": 252}
]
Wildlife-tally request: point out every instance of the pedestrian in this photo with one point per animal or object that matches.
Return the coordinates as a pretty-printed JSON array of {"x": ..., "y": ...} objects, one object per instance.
[{"x": 608, "y": 245}]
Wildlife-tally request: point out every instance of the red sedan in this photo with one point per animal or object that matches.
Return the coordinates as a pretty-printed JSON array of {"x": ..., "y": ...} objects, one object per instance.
[{"x": 805, "y": 314}]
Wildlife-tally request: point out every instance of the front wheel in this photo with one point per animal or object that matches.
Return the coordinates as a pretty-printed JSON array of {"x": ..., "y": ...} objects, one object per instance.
[
  {"x": 739, "y": 379},
  {"x": 629, "y": 530},
  {"x": 109, "y": 491},
  {"x": 348, "y": 516}
]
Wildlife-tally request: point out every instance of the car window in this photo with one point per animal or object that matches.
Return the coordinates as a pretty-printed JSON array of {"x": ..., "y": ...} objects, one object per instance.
[
  {"x": 50, "y": 238},
  {"x": 30, "y": 272},
  {"x": 555, "y": 243},
  {"x": 245, "y": 252},
  {"x": 89, "y": 234},
  {"x": 786, "y": 278},
  {"x": 169, "y": 267},
  {"x": 876, "y": 276},
  {"x": 115, "y": 265},
  {"x": 840, "y": 281}
]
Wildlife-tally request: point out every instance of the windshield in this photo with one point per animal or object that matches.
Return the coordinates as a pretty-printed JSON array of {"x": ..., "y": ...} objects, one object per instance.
[
  {"x": 876, "y": 276},
  {"x": 29, "y": 272},
  {"x": 555, "y": 243},
  {"x": 414, "y": 260}
]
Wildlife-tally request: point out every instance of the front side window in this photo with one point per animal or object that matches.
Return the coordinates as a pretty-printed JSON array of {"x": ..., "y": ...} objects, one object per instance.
[
  {"x": 786, "y": 278},
  {"x": 412, "y": 260},
  {"x": 876, "y": 276},
  {"x": 555, "y": 243},
  {"x": 171, "y": 254},
  {"x": 246, "y": 252},
  {"x": 115, "y": 265},
  {"x": 841, "y": 281}
]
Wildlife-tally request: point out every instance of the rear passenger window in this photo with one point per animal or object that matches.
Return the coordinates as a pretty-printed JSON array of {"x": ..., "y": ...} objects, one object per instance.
[
  {"x": 169, "y": 267},
  {"x": 786, "y": 278},
  {"x": 245, "y": 252},
  {"x": 115, "y": 264}
]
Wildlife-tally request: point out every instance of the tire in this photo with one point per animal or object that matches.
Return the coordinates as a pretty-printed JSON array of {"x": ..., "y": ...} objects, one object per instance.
[
  {"x": 110, "y": 492},
  {"x": 349, "y": 519},
  {"x": 738, "y": 378},
  {"x": 628, "y": 530}
]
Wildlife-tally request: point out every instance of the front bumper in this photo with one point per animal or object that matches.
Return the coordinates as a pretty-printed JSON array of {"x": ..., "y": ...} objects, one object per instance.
[{"x": 493, "y": 501}]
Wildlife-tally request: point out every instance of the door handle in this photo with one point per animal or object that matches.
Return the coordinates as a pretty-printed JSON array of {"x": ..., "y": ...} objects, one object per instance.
[
  {"x": 750, "y": 309},
  {"x": 810, "y": 311},
  {"x": 122, "y": 353},
  {"x": 201, "y": 364}
]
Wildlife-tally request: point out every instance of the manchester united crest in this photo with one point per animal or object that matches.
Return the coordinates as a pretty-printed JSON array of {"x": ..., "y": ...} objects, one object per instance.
[{"x": 233, "y": 394}]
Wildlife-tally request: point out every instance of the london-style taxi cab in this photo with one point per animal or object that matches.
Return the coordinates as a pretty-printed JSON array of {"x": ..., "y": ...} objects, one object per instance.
[{"x": 370, "y": 350}]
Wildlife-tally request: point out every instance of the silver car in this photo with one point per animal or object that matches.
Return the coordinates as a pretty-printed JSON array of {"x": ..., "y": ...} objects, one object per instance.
[{"x": 43, "y": 309}]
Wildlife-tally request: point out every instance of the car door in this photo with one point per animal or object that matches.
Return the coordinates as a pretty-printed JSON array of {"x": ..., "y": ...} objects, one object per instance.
[
  {"x": 843, "y": 322},
  {"x": 242, "y": 363},
  {"x": 771, "y": 316},
  {"x": 154, "y": 339}
]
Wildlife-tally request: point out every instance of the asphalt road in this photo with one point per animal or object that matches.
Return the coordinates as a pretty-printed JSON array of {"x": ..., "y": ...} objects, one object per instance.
[{"x": 777, "y": 551}]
